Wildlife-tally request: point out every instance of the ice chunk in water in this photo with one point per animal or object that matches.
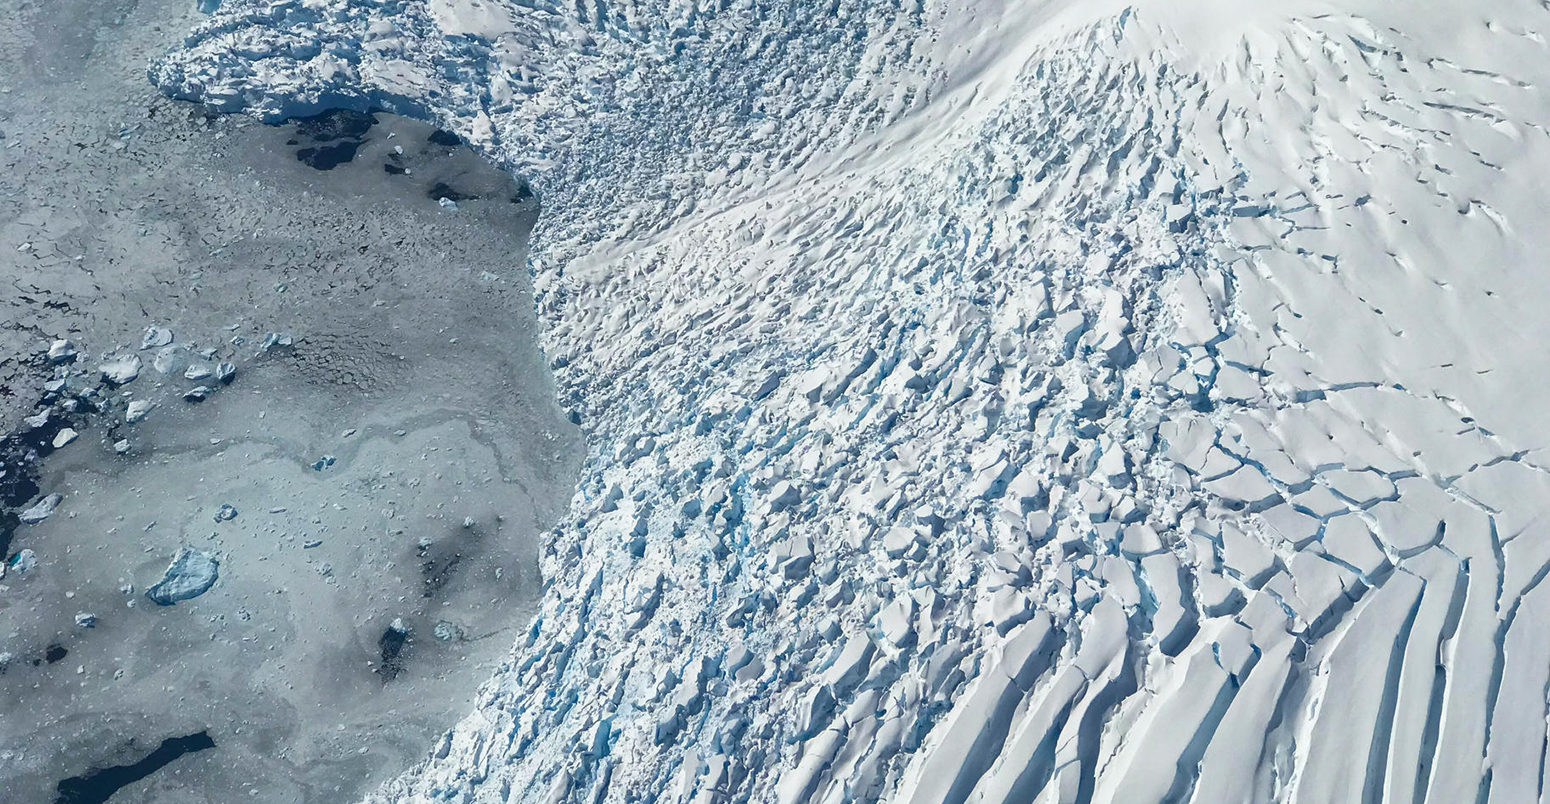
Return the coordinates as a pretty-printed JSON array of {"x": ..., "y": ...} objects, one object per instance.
[
  {"x": 61, "y": 351},
  {"x": 155, "y": 337},
  {"x": 42, "y": 509},
  {"x": 121, "y": 370},
  {"x": 190, "y": 575}
]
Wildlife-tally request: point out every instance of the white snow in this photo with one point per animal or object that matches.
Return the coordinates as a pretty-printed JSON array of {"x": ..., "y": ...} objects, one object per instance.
[{"x": 1004, "y": 402}]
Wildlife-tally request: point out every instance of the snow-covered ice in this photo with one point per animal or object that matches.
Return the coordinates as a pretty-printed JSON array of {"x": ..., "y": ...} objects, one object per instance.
[{"x": 1003, "y": 402}]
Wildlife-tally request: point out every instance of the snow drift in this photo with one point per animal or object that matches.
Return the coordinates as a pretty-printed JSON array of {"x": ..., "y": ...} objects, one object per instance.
[{"x": 1003, "y": 402}]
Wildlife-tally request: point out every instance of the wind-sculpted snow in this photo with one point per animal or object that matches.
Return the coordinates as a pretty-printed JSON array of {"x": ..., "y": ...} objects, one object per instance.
[{"x": 1039, "y": 403}]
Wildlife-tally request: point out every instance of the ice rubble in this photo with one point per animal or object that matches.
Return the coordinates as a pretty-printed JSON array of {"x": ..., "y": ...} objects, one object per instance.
[{"x": 991, "y": 403}]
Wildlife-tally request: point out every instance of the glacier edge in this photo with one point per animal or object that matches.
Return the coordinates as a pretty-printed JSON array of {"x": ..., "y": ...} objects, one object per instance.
[{"x": 953, "y": 379}]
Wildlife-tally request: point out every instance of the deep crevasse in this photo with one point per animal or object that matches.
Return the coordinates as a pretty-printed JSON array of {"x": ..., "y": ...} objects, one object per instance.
[{"x": 991, "y": 403}]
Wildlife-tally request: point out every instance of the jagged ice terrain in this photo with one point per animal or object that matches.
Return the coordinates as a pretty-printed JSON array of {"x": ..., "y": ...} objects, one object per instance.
[{"x": 1003, "y": 402}]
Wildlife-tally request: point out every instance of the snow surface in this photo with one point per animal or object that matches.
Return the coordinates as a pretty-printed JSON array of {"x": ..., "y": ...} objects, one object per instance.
[{"x": 1003, "y": 401}]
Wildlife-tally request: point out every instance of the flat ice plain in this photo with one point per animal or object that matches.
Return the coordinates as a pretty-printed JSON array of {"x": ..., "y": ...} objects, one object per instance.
[{"x": 1002, "y": 401}]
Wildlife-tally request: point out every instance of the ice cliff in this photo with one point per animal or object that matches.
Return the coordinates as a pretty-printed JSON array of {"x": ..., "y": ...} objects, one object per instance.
[{"x": 1003, "y": 402}]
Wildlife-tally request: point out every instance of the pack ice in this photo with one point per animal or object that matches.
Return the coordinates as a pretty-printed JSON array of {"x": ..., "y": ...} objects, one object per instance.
[{"x": 1003, "y": 402}]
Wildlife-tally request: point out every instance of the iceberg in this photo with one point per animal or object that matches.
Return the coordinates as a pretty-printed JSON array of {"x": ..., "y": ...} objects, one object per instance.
[{"x": 190, "y": 575}]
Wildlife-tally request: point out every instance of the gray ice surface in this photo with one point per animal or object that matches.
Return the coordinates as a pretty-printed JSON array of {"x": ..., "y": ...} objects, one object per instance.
[{"x": 136, "y": 226}]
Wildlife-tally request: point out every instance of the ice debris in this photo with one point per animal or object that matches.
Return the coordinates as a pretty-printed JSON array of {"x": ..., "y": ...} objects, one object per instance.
[
  {"x": 273, "y": 341},
  {"x": 137, "y": 410},
  {"x": 170, "y": 359},
  {"x": 190, "y": 575},
  {"x": 121, "y": 370},
  {"x": 42, "y": 509},
  {"x": 155, "y": 337},
  {"x": 61, "y": 351},
  {"x": 24, "y": 561},
  {"x": 226, "y": 514}
]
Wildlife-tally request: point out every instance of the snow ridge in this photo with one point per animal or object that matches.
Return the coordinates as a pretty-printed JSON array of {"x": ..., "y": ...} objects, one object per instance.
[{"x": 999, "y": 404}]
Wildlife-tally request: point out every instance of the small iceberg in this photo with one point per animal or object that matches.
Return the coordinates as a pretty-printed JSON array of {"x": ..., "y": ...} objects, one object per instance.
[{"x": 191, "y": 574}]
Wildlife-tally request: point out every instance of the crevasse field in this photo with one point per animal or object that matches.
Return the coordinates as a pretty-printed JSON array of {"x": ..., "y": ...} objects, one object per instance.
[{"x": 1003, "y": 401}]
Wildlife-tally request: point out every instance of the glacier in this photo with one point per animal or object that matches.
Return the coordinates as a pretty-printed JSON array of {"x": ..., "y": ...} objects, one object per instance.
[{"x": 1002, "y": 402}]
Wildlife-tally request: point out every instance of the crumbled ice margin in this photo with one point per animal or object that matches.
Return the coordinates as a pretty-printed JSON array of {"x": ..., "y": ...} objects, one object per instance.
[{"x": 1049, "y": 402}]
